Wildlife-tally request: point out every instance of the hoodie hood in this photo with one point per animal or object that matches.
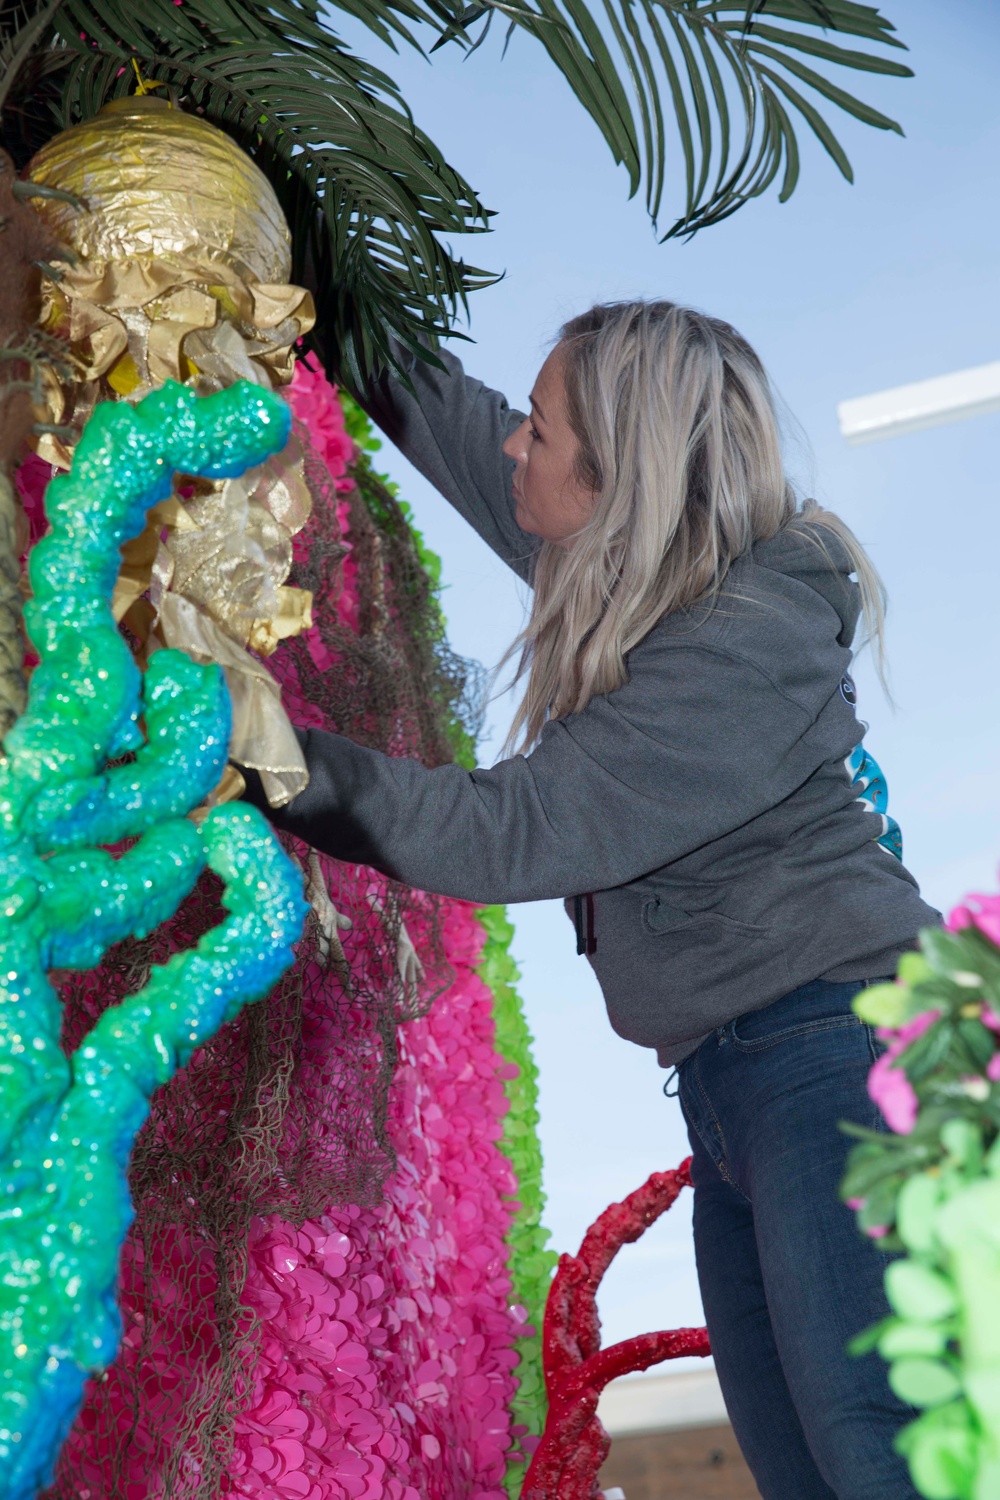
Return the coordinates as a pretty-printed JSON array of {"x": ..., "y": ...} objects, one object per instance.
[{"x": 817, "y": 557}]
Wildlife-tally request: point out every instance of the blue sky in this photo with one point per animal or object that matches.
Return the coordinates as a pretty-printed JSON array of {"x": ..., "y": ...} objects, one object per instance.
[{"x": 844, "y": 290}]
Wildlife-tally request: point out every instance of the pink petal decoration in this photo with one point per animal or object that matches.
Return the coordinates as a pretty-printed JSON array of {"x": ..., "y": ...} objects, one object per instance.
[
  {"x": 33, "y": 474},
  {"x": 386, "y": 1333},
  {"x": 314, "y": 403},
  {"x": 316, "y": 408}
]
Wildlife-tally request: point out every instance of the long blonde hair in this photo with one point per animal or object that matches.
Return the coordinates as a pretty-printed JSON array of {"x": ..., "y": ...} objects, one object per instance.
[{"x": 678, "y": 437}]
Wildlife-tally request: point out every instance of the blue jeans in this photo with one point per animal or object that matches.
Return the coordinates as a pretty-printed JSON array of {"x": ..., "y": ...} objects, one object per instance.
[{"x": 786, "y": 1277}]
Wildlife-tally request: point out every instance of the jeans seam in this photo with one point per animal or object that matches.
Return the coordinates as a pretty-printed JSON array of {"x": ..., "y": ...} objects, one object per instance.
[
  {"x": 810, "y": 1028},
  {"x": 722, "y": 1167},
  {"x": 874, "y": 1049}
]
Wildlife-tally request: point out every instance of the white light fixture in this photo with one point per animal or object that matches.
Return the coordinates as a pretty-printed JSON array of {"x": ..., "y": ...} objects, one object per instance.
[{"x": 926, "y": 403}]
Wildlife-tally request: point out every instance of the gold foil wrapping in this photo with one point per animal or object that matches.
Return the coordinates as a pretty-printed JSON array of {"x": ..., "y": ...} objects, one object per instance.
[
  {"x": 158, "y": 182},
  {"x": 131, "y": 325},
  {"x": 184, "y": 258},
  {"x": 182, "y": 274}
]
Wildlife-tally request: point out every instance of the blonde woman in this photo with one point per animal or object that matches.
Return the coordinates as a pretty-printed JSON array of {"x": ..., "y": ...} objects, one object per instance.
[{"x": 682, "y": 780}]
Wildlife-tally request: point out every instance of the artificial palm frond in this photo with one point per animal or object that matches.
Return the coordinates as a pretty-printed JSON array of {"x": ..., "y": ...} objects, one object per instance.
[
  {"x": 727, "y": 72},
  {"x": 368, "y": 195}
]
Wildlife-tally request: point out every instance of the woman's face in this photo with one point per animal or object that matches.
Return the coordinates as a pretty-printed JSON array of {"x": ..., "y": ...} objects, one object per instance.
[{"x": 552, "y": 502}]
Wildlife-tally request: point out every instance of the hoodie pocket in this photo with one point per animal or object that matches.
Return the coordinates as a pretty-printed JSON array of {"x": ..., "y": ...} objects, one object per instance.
[
  {"x": 658, "y": 917},
  {"x": 670, "y": 974}
]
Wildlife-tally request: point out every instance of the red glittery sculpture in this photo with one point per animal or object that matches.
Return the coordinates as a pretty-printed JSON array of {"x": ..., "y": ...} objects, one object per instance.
[{"x": 575, "y": 1444}]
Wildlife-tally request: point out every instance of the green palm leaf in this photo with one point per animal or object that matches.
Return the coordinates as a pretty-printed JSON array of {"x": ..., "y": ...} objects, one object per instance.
[
  {"x": 723, "y": 66},
  {"x": 370, "y": 198}
]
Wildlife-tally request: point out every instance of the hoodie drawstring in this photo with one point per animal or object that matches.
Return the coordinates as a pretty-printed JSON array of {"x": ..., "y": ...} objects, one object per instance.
[{"x": 586, "y": 939}]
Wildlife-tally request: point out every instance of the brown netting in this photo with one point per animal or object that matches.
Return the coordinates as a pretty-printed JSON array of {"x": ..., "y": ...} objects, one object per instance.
[{"x": 238, "y": 1133}]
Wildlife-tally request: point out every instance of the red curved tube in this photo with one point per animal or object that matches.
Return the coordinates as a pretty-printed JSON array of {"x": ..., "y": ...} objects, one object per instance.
[{"x": 574, "y": 1445}]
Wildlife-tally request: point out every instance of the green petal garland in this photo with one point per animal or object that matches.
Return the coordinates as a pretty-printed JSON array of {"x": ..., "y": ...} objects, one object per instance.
[{"x": 531, "y": 1263}]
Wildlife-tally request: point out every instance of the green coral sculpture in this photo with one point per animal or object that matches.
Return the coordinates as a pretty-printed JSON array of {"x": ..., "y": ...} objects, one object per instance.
[{"x": 67, "y": 1123}]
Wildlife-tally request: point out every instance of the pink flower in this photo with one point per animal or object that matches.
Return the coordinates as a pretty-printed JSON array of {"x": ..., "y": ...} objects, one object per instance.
[
  {"x": 899, "y": 1037},
  {"x": 888, "y": 1086},
  {"x": 891, "y": 1090},
  {"x": 981, "y": 912}
]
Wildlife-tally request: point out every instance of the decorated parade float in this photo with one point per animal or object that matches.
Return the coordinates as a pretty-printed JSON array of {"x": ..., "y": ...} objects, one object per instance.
[
  {"x": 333, "y": 1262},
  {"x": 271, "y": 1179}
]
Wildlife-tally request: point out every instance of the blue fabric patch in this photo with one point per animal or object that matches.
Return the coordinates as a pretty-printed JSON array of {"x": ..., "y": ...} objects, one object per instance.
[{"x": 873, "y": 794}]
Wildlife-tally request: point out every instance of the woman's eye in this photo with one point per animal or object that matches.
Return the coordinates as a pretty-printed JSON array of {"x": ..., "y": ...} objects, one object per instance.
[{"x": 533, "y": 429}]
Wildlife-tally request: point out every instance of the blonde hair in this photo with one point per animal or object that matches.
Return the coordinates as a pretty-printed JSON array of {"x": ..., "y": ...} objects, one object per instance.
[{"x": 678, "y": 437}]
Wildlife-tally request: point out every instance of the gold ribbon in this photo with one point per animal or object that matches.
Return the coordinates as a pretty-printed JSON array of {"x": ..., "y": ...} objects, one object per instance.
[
  {"x": 132, "y": 324},
  {"x": 262, "y": 737},
  {"x": 214, "y": 569}
]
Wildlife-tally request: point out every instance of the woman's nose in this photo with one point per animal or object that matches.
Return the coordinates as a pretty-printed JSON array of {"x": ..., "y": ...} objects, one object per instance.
[{"x": 516, "y": 446}]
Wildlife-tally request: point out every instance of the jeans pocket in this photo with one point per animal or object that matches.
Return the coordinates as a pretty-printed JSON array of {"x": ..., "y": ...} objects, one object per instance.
[
  {"x": 810, "y": 1011},
  {"x": 771, "y": 1038}
]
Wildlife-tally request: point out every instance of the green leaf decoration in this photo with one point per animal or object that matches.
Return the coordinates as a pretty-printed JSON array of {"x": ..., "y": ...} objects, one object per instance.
[
  {"x": 964, "y": 1142},
  {"x": 978, "y": 1041},
  {"x": 965, "y": 957},
  {"x": 944, "y": 1347},
  {"x": 865, "y": 1342},
  {"x": 908, "y": 1340},
  {"x": 991, "y": 1162},
  {"x": 879, "y": 1209},
  {"x": 941, "y": 1448},
  {"x": 703, "y": 92},
  {"x": 916, "y": 1211},
  {"x": 928, "y": 1052},
  {"x": 913, "y": 969},
  {"x": 942, "y": 950},
  {"x": 917, "y": 1293},
  {"x": 924, "y": 1382},
  {"x": 884, "y": 1005}
]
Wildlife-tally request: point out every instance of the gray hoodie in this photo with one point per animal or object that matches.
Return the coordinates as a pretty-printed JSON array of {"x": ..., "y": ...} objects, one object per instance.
[{"x": 702, "y": 814}]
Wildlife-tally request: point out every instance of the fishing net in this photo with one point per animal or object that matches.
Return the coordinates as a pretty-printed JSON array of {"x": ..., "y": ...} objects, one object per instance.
[{"x": 284, "y": 1111}]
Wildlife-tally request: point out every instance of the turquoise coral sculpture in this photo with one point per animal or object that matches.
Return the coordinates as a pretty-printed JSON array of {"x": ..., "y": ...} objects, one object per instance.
[{"x": 67, "y": 1123}]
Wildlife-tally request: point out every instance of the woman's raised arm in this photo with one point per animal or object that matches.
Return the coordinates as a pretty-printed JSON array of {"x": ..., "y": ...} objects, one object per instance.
[
  {"x": 452, "y": 428},
  {"x": 696, "y": 744}
]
